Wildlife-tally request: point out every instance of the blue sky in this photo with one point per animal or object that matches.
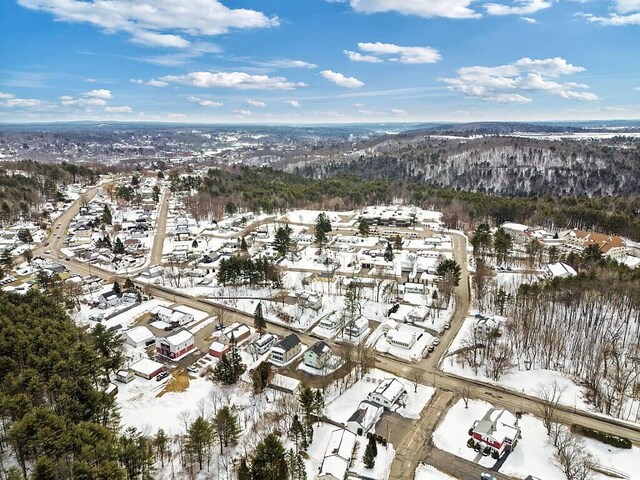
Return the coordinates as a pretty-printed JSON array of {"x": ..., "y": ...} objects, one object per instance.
[{"x": 306, "y": 61}]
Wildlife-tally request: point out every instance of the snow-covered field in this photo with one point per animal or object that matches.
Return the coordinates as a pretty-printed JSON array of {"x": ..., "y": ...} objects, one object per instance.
[{"x": 427, "y": 472}]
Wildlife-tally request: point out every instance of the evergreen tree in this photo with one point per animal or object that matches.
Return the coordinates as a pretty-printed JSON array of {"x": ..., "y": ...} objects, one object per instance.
[
  {"x": 230, "y": 366},
  {"x": 258, "y": 319},
  {"x": 226, "y": 427},
  {"x": 369, "y": 458},
  {"x": 156, "y": 192},
  {"x": 243, "y": 245},
  {"x": 28, "y": 255},
  {"x": 6, "y": 259},
  {"x": 199, "y": 440},
  {"x": 388, "y": 253},
  {"x": 323, "y": 226},
  {"x": 318, "y": 403},
  {"x": 117, "y": 288},
  {"x": 298, "y": 434},
  {"x": 398, "y": 242},
  {"x": 194, "y": 244},
  {"x": 260, "y": 377},
  {"x": 24, "y": 235},
  {"x": 161, "y": 442},
  {"x": 44, "y": 469},
  {"x": 364, "y": 227},
  {"x": 553, "y": 254},
  {"x": 128, "y": 284},
  {"x": 109, "y": 345},
  {"x": 481, "y": 240},
  {"x": 282, "y": 241},
  {"x": 269, "y": 460},
  {"x": 134, "y": 455},
  {"x": 296, "y": 466},
  {"x": 106, "y": 215},
  {"x": 502, "y": 245},
  {"x": 244, "y": 473},
  {"x": 118, "y": 247},
  {"x": 374, "y": 445}
]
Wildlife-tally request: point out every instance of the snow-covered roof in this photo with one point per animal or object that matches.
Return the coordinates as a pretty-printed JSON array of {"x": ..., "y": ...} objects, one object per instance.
[
  {"x": 390, "y": 388},
  {"x": 139, "y": 334},
  {"x": 338, "y": 453},
  {"x": 146, "y": 366},
  {"x": 179, "y": 338},
  {"x": 560, "y": 269},
  {"x": 402, "y": 336}
]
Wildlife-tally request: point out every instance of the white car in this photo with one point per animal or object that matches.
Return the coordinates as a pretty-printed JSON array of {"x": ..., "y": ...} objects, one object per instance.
[{"x": 487, "y": 476}]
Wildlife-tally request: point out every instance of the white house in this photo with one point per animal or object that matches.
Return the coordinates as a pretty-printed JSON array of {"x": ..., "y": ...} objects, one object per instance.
[
  {"x": 389, "y": 392},
  {"x": 356, "y": 327},
  {"x": 559, "y": 270},
  {"x": 175, "y": 346},
  {"x": 401, "y": 338},
  {"x": 364, "y": 418},
  {"x": 337, "y": 457},
  {"x": 285, "y": 350},
  {"x": 138, "y": 337},
  {"x": 486, "y": 326},
  {"x": 330, "y": 321},
  {"x": 109, "y": 299},
  {"x": 318, "y": 355},
  {"x": 173, "y": 317}
]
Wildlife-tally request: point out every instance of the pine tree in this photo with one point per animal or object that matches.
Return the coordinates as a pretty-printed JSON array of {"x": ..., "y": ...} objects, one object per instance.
[
  {"x": 269, "y": 460},
  {"x": 244, "y": 473},
  {"x": 161, "y": 441},
  {"x": 296, "y": 466},
  {"x": 194, "y": 244},
  {"x": 323, "y": 226},
  {"x": 117, "y": 288},
  {"x": 369, "y": 458},
  {"x": 118, "y": 247},
  {"x": 243, "y": 245},
  {"x": 364, "y": 227},
  {"x": 229, "y": 367},
  {"x": 226, "y": 427},
  {"x": 318, "y": 403},
  {"x": 156, "y": 191},
  {"x": 6, "y": 259},
  {"x": 260, "y": 377},
  {"x": 282, "y": 241},
  {"x": 374, "y": 445},
  {"x": 388, "y": 253},
  {"x": 106, "y": 215},
  {"x": 128, "y": 284},
  {"x": 298, "y": 434},
  {"x": 198, "y": 440},
  {"x": 258, "y": 319}
]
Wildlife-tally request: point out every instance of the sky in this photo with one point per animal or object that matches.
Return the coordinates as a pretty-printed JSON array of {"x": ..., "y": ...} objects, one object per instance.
[{"x": 319, "y": 61}]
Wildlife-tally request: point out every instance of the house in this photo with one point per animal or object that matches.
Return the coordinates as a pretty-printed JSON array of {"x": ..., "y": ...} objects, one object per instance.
[
  {"x": 517, "y": 230},
  {"x": 108, "y": 299},
  {"x": 498, "y": 431},
  {"x": 338, "y": 454},
  {"x": 238, "y": 331},
  {"x": 559, "y": 270},
  {"x": 486, "y": 326},
  {"x": 318, "y": 355},
  {"x": 130, "y": 296},
  {"x": 330, "y": 321},
  {"x": 364, "y": 418},
  {"x": 309, "y": 300},
  {"x": 285, "y": 350},
  {"x": 175, "y": 346},
  {"x": 125, "y": 376},
  {"x": 356, "y": 327},
  {"x": 139, "y": 337},
  {"x": 389, "y": 392},
  {"x": 401, "y": 338},
  {"x": 147, "y": 368},
  {"x": 173, "y": 317},
  {"x": 217, "y": 349},
  {"x": 611, "y": 246},
  {"x": 264, "y": 343}
]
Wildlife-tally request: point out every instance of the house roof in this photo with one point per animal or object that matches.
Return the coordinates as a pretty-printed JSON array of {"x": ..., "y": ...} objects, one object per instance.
[
  {"x": 390, "y": 388},
  {"x": 498, "y": 424},
  {"x": 338, "y": 454},
  {"x": 560, "y": 269},
  {"x": 139, "y": 334},
  {"x": 288, "y": 342},
  {"x": 146, "y": 366},
  {"x": 366, "y": 415},
  {"x": 320, "y": 348},
  {"x": 605, "y": 242},
  {"x": 179, "y": 338}
]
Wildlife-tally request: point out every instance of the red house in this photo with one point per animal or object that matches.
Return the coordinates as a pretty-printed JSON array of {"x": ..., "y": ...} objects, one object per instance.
[
  {"x": 175, "y": 346},
  {"x": 496, "y": 433}
]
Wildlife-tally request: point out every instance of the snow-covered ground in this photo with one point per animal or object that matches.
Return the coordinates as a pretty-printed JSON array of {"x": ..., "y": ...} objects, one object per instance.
[{"x": 427, "y": 472}]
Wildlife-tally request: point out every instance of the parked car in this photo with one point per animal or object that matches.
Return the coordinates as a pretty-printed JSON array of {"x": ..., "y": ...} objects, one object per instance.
[
  {"x": 162, "y": 375},
  {"x": 192, "y": 369},
  {"x": 436, "y": 342},
  {"x": 487, "y": 476},
  {"x": 431, "y": 348},
  {"x": 447, "y": 326}
]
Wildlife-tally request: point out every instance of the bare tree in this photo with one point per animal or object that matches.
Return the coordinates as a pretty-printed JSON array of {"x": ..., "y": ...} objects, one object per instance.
[
  {"x": 550, "y": 396},
  {"x": 416, "y": 376}
]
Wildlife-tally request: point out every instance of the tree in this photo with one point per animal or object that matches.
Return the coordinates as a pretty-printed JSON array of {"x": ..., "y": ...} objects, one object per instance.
[
  {"x": 592, "y": 254},
  {"x": 106, "y": 215},
  {"x": 160, "y": 175},
  {"x": 243, "y": 245},
  {"x": 553, "y": 254},
  {"x": 24, "y": 235},
  {"x": 135, "y": 456},
  {"x": 244, "y": 473},
  {"x": 369, "y": 458},
  {"x": 226, "y": 427},
  {"x": 397, "y": 242},
  {"x": 550, "y": 396},
  {"x": 161, "y": 442},
  {"x": 128, "y": 284},
  {"x": 323, "y": 226},
  {"x": 374, "y": 445},
  {"x": 194, "y": 244},
  {"x": 481, "y": 240},
  {"x": 297, "y": 433},
  {"x": 269, "y": 460},
  {"x": 6, "y": 259},
  {"x": 502, "y": 245},
  {"x": 364, "y": 227},
  {"x": 261, "y": 377},
  {"x": 228, "y": 370},
  {"x": 296, "y": 467},
  {"x": 109, "y": 345},
  {"x": 156, "y": 192},
  {"x": 258, "y": 319},
  {"x": 28, "y": 255},
  {"x": 199, "y": 440},
  {"x": 117, "y": 289},
  {"x": 449, "y": 273},
  {"x": 118, "y": 247},
  {"x": 282, "y": 241},
  {"x": 388, "y": 253}
]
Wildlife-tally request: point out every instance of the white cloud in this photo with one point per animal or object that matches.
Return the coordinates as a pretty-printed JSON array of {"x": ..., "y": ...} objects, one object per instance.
[
  {"x": 627, "y": 12},
  {"x": 243, "y": 113},
  {"x": 9, "y": 100},
  {"x": 510, "y": 83},
  {"x": 340, "y": 80},
  {"x": 420, "y": 8},
  {"x": 405, "y": 54},
  {"x": 122, "y": 109},
  {"x": 256, "y": 103},
  {"x": 529, "y": 19},
  {"x": 398, "y": 111},
  {"x": 156, "y": 83},
  {"x": 100, "y": 93},
  {"x": 237, "y": 80},
  {"x": 204, "y": 102},
  {"x": 147, "y": 21},
  {"x": 137, "y": 81},
  {"x": 293, "y": 103},
  {"x": 284, "y": 63},
  {"x": 518, "y": 7},
  {"x": 82, "y": 102},
  {"x": 358, "y": 57}
]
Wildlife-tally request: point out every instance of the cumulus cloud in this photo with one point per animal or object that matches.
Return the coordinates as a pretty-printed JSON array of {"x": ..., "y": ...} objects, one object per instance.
[
  {"x": 243, "y": 113},
  {"x": 402, "y": 54},
  {"x": 256, "y": 103},
  {"x": 237, "y": 80},
  {"x": 9, "y": 100},
  {"x": 529, "y": 19},
  {"x": 512, "y": 82},
  {"x": 420, "y": 8},
  {"x": 204, "y": 102},
  {"x": 398, "y": 111},
  {"x": 358, "y": 57},
  {"x": 626, "y": 12},
  {"x": 149, "y": 21},
  {"x": 293, "y": 103},
  {"x": 341, "y": 80},
  {"x": 518, "y": 7},
  {"x": 100, "y": 93},
  {"x": 122, "y": 109},
  {"x": 285, "y": 63}
]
